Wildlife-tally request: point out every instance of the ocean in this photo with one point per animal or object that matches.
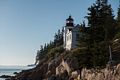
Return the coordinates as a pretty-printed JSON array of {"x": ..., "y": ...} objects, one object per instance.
[{"x": 9, "y": 70}]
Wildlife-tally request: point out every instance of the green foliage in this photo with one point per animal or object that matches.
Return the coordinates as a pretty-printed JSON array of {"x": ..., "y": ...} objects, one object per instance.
[
  {"x": 55, "y": 52},
  {"x": 52, "y": 48},
  {"x": 58, "y": 38},
  {"x": 99, "y": 53},
  {"x": 117, "y": 36},
  {"x": 101, "y": 21},
  {"x": 118, "y": 24},
  {"x": 83, "y": 57},
  {"x": 102, "y": 30},
  {"x": 96, "y": 38},
  {"x": 82, "y": 39},
  {"x": 118, "y": 15},
  {"x": 91, "y": 57}
]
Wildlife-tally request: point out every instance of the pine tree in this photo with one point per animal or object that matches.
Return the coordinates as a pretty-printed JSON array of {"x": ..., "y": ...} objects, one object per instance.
[
  {"x": 118, "y": 23},
  {"x": 118, "y": 14},
  {"x": 58, "y": 38},
  {"x": 101, "y": 31},
  {"x": 82, "y": 38},
  {"x": 101, "y": 21},
  {"x": 109, "y": 22}
]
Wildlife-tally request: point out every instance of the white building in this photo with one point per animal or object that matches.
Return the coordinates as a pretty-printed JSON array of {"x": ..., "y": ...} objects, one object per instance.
[{"x": 71, "y": 34}]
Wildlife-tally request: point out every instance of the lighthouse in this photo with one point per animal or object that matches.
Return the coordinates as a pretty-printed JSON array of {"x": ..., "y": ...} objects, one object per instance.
[{"x": 71, "y": 33}]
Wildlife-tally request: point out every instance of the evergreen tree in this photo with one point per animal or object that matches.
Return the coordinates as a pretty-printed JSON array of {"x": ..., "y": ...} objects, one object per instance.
[
  {"x": 118, "y": 23},
  {"x": 100, "y": 32},
  {"x": 58, "y": 38},
  {"x": 101, "y": 21},
  {"x": 82, "y": 38},
  {"x": 44, "y": 50},
  {"x": 118, "y": 14}
]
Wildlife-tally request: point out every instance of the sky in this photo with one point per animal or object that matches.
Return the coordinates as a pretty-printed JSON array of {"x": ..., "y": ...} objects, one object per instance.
[{"x": 27, "y": 24}]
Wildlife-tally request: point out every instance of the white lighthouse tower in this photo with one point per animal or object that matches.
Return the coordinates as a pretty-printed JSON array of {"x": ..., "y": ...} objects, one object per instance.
[{"x": 71, "y": 33}]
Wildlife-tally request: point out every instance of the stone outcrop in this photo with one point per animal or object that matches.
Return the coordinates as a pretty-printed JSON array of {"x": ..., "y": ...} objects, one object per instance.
[
  {"x": 112, "y": 73},
  {"x": 66, "y": 69}
]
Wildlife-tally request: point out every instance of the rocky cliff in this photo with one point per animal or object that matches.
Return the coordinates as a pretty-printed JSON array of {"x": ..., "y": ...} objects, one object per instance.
[
  {"x": 65, "y": 66},
  {"x": 109, "y": 73},
  {"x": 63, "y": 70}
]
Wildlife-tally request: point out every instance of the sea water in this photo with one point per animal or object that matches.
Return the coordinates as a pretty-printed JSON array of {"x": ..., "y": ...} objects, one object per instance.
[{"x": 9, "y": 70}]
